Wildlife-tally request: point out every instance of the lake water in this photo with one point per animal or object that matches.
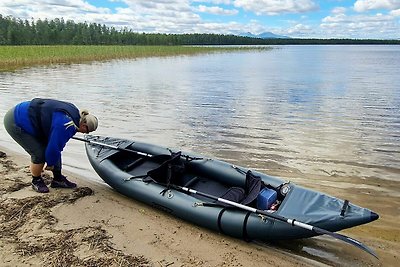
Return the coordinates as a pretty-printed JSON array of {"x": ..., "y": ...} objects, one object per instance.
[{"x": 328, "y": 110}]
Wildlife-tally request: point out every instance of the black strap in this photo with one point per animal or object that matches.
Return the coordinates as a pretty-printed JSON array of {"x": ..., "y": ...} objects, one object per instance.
[
  {"x": 140, "y": 176},
  {"x": 219, "y": 220},
  {"x": 133, "y": 164},
  {"x": 245, "y": 235},
  {"x": 191, "y": 181},
  {"x": 172, "y": 168},
  {"x": 344, "y": 207},
  {"x": 212, "y": 204},
  {"x": 187, "y": 157}
]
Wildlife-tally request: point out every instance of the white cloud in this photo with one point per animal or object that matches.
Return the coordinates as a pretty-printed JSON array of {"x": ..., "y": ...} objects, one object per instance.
[
  {"x": 41, "y": 9},
  {"x": 379, "y": 25},
  {"x": 300, "y": 30},
  {"x": 365, "y": 5},
  {"x": 360, "y": 26},
  {"x": 216, "y": 10},
  {"x": 164, "y": 16},
  {"x": 395, "y": 12},
  {"x": 157, "y": 5},
  {"x": 275, "y": 7},
  {"x": 338, "y": 10},
  {"x": 214, "y": 2}
]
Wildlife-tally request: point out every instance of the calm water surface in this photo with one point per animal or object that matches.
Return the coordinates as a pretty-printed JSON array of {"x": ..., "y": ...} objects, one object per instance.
[{"x": 330, "y": 110}]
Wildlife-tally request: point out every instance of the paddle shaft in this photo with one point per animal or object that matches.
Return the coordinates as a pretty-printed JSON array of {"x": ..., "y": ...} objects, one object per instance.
[
  {"x": 292, "y": 222},
  {"x": 113, "y": 147},
  {"x": 244, "y": 207}
]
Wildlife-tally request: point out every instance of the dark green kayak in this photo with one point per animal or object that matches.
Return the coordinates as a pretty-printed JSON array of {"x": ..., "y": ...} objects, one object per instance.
[{"x": 150, "y": 173}]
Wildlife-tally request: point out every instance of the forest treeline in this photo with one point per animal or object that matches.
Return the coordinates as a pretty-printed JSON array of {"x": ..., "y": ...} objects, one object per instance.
[{"x": 14, "y": 31}]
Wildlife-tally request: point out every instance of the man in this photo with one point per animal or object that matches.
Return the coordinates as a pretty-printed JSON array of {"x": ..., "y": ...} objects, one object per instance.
[{"x": 43, "y": 127}]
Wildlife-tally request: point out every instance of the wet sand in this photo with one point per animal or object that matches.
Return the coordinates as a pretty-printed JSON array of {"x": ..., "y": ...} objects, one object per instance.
[{"x": 95, "y": 226}]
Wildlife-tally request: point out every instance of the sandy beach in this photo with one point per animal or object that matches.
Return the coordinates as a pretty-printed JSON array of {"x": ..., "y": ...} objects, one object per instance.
[{"x": 95, "y": 226}]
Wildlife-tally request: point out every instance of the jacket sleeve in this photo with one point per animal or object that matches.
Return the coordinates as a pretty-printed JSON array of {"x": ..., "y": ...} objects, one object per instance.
[{"x": 60, "y": 133}]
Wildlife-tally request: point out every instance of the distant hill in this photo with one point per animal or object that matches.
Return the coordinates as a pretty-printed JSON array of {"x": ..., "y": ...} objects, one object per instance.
[{"x": 264, "y": 35}]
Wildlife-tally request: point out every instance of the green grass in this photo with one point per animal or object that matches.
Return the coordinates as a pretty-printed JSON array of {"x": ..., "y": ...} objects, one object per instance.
[{"x": 15, "y": 57}]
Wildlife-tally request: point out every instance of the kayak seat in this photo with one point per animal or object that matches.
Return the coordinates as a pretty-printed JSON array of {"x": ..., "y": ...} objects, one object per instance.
[
  {"x": 252, "y": 188},
  {"x": 235, "y": 194},
  {"x": 215, "y": 188},
  {"x": 169, "y": 171},
  {"x": 245, "y": 196}
]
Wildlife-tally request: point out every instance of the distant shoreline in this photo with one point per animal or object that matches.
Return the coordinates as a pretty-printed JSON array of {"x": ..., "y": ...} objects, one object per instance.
[{"x": 57, "y": 31}]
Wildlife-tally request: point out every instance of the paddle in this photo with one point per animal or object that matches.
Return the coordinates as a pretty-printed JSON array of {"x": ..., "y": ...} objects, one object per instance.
[
  {"x": 112, "y": 147},
  {"x": 292, "y": 222}
]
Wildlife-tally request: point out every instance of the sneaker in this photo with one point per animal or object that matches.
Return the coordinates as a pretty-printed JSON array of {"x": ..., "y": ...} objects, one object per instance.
[
  {"x": 39, "y": 186},
  {"x": 62, "y": 182}
]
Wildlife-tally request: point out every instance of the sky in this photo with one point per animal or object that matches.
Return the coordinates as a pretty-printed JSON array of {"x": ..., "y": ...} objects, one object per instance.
[{"x": 361, "y": 19}]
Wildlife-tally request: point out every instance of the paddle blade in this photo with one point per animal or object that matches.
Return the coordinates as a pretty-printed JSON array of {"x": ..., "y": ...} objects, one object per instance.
[{"x": 346, "y": 239}]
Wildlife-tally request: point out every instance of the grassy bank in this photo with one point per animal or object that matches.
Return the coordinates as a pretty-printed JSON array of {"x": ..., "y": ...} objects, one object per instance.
[{"x": 14, "y": 57}]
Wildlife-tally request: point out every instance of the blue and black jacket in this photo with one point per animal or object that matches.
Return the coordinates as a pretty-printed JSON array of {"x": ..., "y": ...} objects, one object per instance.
[{"x": 50, "y": 121}]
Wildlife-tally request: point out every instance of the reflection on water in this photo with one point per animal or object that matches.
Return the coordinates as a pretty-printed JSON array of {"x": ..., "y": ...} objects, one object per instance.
[{"x": 320, "y": 109}]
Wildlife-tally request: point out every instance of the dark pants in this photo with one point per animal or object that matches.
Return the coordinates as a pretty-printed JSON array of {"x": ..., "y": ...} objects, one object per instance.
[{"x": 33, "y": 145}]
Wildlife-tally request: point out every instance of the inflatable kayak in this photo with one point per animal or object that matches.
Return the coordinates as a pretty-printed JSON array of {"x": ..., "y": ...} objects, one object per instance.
[{"x": 156, "y": 175}]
